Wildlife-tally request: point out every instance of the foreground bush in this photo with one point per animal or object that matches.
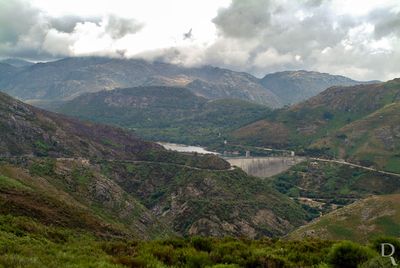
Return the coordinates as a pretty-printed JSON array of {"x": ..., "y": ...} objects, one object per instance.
[
  {"x": 347, "y": 254},
  {"x": 27, "y": 243}
]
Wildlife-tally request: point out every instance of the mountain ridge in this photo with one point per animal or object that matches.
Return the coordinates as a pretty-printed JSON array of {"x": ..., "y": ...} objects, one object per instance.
[
  {"x": 67, "y": 78},
  {"x": 296, "y": 86}
]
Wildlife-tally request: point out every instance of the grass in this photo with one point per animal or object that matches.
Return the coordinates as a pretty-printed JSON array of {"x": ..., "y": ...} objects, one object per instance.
[
  {"x": 26, "y": 243},
  {"x": 361, "y": 221},
  {"x": 9, "y": 183},
  {"x": 389, "y": 226}
]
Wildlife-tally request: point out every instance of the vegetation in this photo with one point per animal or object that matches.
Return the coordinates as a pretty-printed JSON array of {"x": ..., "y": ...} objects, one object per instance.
[
  {"x": 186, "y": 118},
  {"x": 25, "y": 242},
  {"x": 322, "y": 186},
  {"x": 361, "y": 221},
  {"x": 358, "y": 123}
]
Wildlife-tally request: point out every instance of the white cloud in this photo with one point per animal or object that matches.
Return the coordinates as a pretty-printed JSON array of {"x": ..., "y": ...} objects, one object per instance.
[{"x": 357, "y": 38}]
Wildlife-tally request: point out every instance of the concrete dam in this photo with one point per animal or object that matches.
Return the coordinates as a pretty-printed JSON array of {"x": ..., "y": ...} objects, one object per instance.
[{"x": 265, "y": 166}]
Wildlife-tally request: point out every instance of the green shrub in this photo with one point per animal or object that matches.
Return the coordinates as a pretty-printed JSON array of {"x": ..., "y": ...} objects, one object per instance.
[
  {"x": 202, "y": 243},
  {"x": 347, "y": 254},
  {"x": 198, "y": 260},
  {"x": 43, "y": 168},
  {"x": 377, "y": 262}
]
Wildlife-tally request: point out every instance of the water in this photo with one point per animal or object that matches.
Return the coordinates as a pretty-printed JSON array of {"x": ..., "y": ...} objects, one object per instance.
[{"x": 185, "y": 148}]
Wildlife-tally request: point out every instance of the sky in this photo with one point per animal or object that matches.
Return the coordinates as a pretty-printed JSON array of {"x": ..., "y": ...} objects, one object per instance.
[{"x": 356, "y": 38}]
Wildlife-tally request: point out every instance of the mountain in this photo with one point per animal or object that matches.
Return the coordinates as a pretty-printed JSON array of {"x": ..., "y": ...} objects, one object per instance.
[
  {"x": 306, "y": 126},
  {"x": 18, "y": 63},
  {"x": 65, "y": 79},
  {"x": 6, "y": 70},
  {"x": 366, "y": 219},
  {"x": 186, "y": 118},
  {"x": 26, "y": 130},
  {"x": 296, "y": 86},
  {"x": 65, "y": 172},
  {"x": 70, "y": 77}
]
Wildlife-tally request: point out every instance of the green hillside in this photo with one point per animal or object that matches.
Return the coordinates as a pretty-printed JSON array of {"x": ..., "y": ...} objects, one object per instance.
[
  {"x": 166, "y": 113},
  {"x": 366, "y": 219},
  {"x": 357, "y": 123},
  {"x": 373, "y": 140},
  {"x": 322, "y": 187}
]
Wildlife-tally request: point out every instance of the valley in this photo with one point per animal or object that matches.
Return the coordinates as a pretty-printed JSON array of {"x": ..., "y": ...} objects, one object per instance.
[{"x": 154, "y": 162}]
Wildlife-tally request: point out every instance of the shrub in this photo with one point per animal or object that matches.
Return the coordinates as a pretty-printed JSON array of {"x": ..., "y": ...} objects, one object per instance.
[
  {"x": 348, "y": 255},
  {"x": 43, "y": 168},
  {"x": 202, "y": 243},
  {"x": 377, "y": 262},
  {"x": 198, "y": 260}
]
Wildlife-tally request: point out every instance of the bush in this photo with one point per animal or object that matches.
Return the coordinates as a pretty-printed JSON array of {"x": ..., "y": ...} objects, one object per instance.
[
  {"x": 348, "y": 255},
  {"x": 377, "y": 262},
  {"x": 43, "y": 168},
  {"x": 202, "y": 243},
  {"x": 198, "y": 260}
]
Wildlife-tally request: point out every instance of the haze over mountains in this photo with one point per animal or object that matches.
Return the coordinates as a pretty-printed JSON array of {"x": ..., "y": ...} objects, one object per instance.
[{"x": 68, "y": 78}]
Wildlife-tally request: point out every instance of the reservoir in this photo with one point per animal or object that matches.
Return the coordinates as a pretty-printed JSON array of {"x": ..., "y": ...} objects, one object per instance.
[{"x": 185, "y": 148}]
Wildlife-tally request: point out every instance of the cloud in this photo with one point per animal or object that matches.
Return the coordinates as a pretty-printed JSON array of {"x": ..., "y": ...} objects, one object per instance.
[
  {"x": 310, "y": 35},
  {"x": 257, "y": 36},
  {"x": 28, "y": 32},
  {"x": 67, "y": 23},
  {"x": 244, "y": 19},
  {"x": 386, "y": 22},
  {"x": 16, "y": 18},
  {"x": 119, "y": 27}
]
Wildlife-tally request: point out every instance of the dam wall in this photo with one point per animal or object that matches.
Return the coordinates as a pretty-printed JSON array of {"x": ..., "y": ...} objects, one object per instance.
[{"x": 264, "y": 166}]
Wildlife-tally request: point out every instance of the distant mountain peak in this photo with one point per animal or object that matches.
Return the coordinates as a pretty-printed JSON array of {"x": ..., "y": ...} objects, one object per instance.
[{"x": 296, "y": 86}]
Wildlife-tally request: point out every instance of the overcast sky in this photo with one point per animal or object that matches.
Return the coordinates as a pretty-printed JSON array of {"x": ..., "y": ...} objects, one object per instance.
[{"x": 356, "y": 38}]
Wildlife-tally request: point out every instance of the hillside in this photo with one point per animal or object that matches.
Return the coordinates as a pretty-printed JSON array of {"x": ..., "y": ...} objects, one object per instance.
[
  {"x": 71, "y": 194},
  {"x": 368, "y": 218},
  {"x": 296, "y": 86},
  {"x": 322, "y": 186},
  {"x": 373, "y": 140},
  {"x": 304, "y": 124},
  {"x": 6, "y": 71},
  {"x": 70, "y": 77},
  {"x": 56, "y": 169},
  {"x": 186, "y": 118},
  {"x": 26, "y": 130}
]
